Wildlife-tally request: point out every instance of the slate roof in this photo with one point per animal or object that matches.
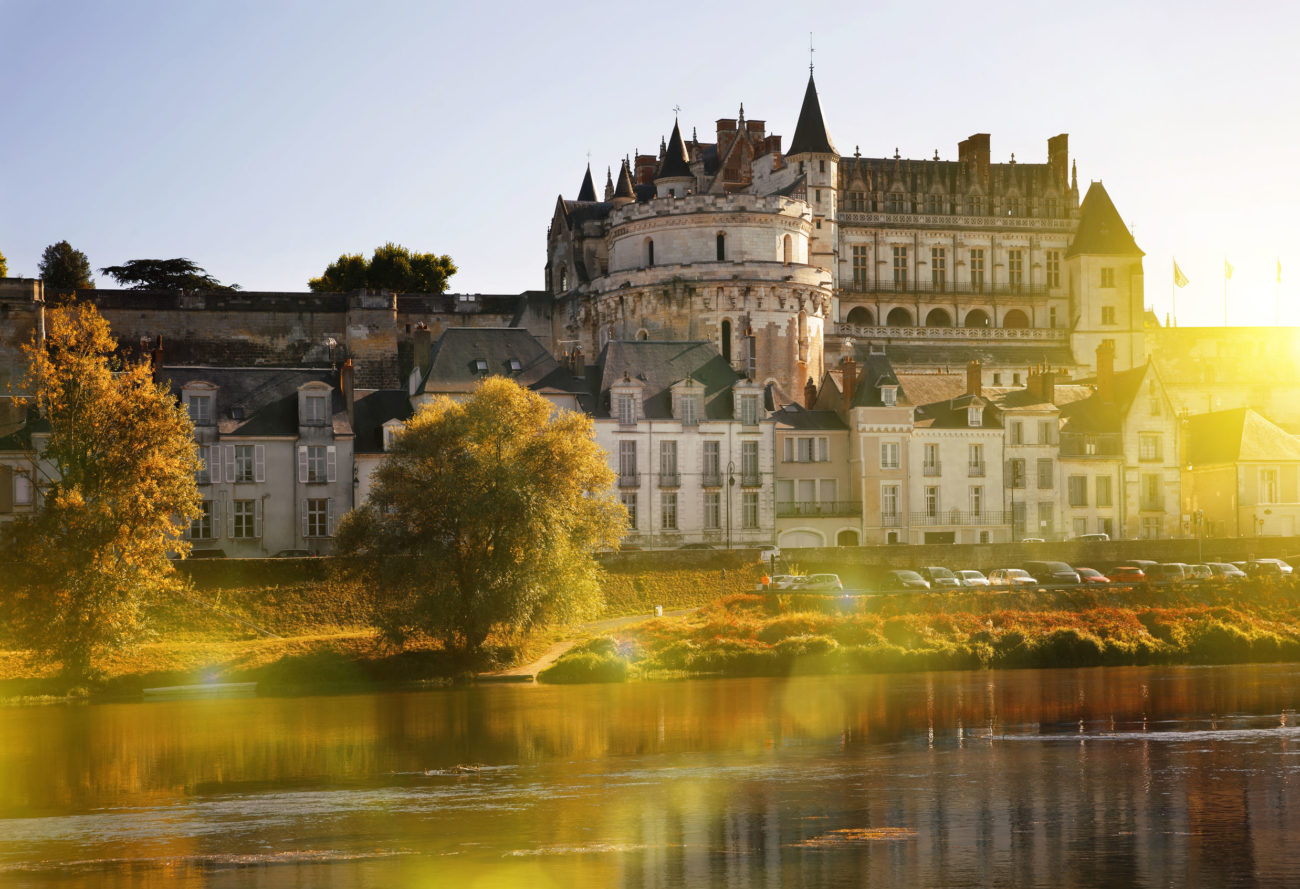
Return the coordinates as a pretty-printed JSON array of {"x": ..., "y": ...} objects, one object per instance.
[
  {"x": 260, "y": 401},
  {"x": 1239, "y": 435},
  {"x": 1101, "y": 231},
  {"x": 951, "y": 414},
  {"x": 1021, "y": 398},
  {"x": 930, "y": 388},
  {"x": 578, "y": 212},
  {"x": 453, "y": 364},
  {"x": 796, "y": 416},
  {"x": 1094, "y": 415},
  {"x": 624, "y": 189},
  {"x": 588, "y": 190},
  {"x": 659, "y": 365},
  {"x": 876, "y": 370},
  {"x": 810, "y": 134},
  {"x": 675, "y": 163},
  {"x": 372, "y": 408}
]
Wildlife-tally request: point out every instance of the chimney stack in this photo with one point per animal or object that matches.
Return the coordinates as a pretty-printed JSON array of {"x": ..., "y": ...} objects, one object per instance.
[
  {"x": 156, "y": 359},
  {"x": 423, "y": 348},
  {"x": 850, "y": 382},
  {"x": 1106, "y": 371},
  {"x": 974, "y": 378},
  {"x": 809, "y": 394},
  {"x": 347, "y": 386}
]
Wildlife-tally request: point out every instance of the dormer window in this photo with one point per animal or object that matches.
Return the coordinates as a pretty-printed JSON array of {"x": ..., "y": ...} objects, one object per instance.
[
  {"x": 690, "y": 410},
  {"x": 315, "y": 410},
  {"x": 974, "y": 416},
  {"x": 625, "y": 409},
  {"x": 889, "y": 395},
  {"x": 200, "y": 410},
  {"x": 391, "y": 431},
  {"x": 749, "y": 410},
  {"x": 515, "y": 365},
  {"x": 480, "y": 365}
]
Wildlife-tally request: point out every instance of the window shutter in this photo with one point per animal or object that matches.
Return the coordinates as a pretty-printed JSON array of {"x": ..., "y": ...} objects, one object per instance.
[
  {"x": 302, "y": 476},
  {"x": 230, "y": 464},
  {"x": 331, "y": 463},
  {"x": 6, "y": 489},
  {"x": 329, "y": 520},
  {"x": 303, "y": 531},
  {"x": 823, "y": 450},
  {"x": 259, "y": 470},
  {"x": 230, "y": 518},
  {"x": 216, "y": 518},
  {"x": 257, "y": 517},
  {"x": 789, "y": 449}
]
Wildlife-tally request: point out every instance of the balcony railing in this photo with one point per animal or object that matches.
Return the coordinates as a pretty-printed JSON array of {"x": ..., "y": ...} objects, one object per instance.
[
  {"x": 935, "y": 468},
  {"x": 957, "y": 288},
  {"x": 975, "y": 470},
  {"x": 629, "y": 479},
  {"x": 1152, "y": 504},
  {"x": 818, "y": 508},
  {"x": 957, "y": 517},
  {"x": 1001, "y": 334},
  {"x": 751, "y": 480},
  {"x": 890, "y": 520},
  {"x": 711, "y": 479},
  {"x": 1101, "y": 444},
  {"x": 670, "y": 480}
]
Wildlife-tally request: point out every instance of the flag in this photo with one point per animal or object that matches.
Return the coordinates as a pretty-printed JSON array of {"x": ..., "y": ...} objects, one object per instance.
[
  {"x": 1179, "y": 278},
  {"x": 1227, "y": 269}
]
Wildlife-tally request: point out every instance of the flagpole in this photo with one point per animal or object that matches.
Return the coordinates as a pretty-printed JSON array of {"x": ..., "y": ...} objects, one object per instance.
[
  {"x": 1225, "y": 291},
  {"x": 1277, "y": 301},
  {"x": 1173, "y": 299}
]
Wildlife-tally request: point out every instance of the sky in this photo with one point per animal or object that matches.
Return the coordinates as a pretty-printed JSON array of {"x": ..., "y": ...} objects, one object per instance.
[{"x": 263, "y": 139}]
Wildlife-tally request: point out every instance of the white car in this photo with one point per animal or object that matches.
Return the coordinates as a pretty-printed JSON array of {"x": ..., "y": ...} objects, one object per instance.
[
  {"x": 768, "y": 553},
  {"x": 821, "y": 582},
  {"x": 1011, "y": 577},
  {"x": 785, "y": 582},
  {"x": 972, "y": 578}
]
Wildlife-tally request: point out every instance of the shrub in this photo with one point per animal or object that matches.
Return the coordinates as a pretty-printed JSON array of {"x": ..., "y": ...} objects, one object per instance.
[
  {"x": 1068, "y": 647},
  {"x": 798, "y": 624},
  {"x": 586, "y": 666}
]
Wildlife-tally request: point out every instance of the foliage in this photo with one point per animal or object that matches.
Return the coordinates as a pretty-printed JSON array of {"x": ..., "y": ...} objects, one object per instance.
[
  {"x": 485, "y": 514},
  {"x": 164, "y": 274},
  {"x": 121, "y": 462},
  {"x": 392, "y": 267},
  {"x": 597, "y": 661},
  {"x": 4, "y": 266},
  {"x": 64, "y": 269}
]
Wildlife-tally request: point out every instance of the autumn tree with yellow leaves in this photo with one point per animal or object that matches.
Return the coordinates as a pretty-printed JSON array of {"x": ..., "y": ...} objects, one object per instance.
[
  {"x": 484, "y": 516},
  {"x": 118, "y": 490}
]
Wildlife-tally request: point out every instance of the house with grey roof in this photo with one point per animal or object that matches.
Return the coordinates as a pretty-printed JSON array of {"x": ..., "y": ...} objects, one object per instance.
[{"x": 1241, "y": 475}]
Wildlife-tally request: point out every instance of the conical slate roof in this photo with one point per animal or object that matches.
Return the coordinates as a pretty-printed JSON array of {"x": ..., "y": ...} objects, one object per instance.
[
  {"x": 675, "y": 163},
  {"x": 810, "y": 133},
  {"x": 624, "y": 188},
  {"x": 588, "y": 190},
  {"x": 1101, "y": 230}
]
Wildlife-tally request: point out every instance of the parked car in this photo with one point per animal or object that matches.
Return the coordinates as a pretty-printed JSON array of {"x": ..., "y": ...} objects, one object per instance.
[
  {"x": 1126, "y": 574},
  {"x": 768, "y": 553},
  {"x": 1225, "y": 571},
  {"x": 1011, "y": 577},
  {"x": 1169, "y": 572},
  {"x": 1093, "y": 538},
  {"x": 1200, "y": 572},
  {"x": 1283, "y": 567},
  {"x": 785, "y": 582},
  {"x": 940, "y": 578},
  {"x": 1264, "y": 568},
  {"x": 1052, "y": 573},
  {"x": 969, "y": 577},
  {"x": 1032, "y": 540},
  {"x": 1088, "y": 575},
  {"x": 821, "y": 583},
  {"x": 902, "y": 581}
]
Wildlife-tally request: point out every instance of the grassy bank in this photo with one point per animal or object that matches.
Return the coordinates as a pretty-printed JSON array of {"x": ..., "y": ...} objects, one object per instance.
[{"x": 749, "y": 635}]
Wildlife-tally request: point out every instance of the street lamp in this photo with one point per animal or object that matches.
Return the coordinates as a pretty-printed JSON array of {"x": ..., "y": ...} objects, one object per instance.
[{"x": 731, "y": 483}]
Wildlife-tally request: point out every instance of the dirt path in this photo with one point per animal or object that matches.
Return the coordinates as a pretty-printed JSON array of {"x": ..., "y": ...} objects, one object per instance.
[{"x": 555, "y": 652}]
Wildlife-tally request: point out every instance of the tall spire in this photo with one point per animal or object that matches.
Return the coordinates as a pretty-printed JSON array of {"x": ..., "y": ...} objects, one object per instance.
[
  {"x": 609, "y": 184},
  {"x": 588, "y": 190},
  {"x": 810, "y": 134},
  {"x": 675, "y": 165},
  {"x": 624, "y": 192}
]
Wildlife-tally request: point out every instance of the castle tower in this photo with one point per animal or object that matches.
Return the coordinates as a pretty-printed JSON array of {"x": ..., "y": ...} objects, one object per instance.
[
  {"x": 675, "y": 178},
  {"x": 814, "y": 157},
  {"x": 1104, "y": 264},
  {"x": 588, "y": 190}
]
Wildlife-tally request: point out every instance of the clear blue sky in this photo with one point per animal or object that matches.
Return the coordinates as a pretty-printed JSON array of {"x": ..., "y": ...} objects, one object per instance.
[{"x": 263, "y": 139}]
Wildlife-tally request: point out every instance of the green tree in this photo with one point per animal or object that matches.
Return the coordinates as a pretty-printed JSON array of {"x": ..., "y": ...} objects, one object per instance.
[
  {"x": 484, "y": 515},
  {"x": 164, "y": 274},
  {"x": 121, "y": 463},
  {"x": 65, "y": 269},
  {"x": 4, "y": 266},
  {"x": 392, "y": 267}
]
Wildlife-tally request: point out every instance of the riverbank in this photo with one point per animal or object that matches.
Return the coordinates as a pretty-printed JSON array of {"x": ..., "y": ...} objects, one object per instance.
[{"x": 752, "y": 635}]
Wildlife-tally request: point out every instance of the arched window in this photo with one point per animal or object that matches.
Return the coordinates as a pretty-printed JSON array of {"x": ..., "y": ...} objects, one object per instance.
[
  {"x": 899, "y": 317},
  {"x": 861, "y": 316},
  {"x": 787, "y": 249},
  {"x": 726, "y": 341},
  {"x": 938, "y": 318},
  {"x": 847, "y": 537},
  {"x": 649, "y": 251},
  {"x": 564, "y": 279},
  {"x": 978, "y": 318},
  {"x": 1015, "y": 319},
  {"x": 722, "y": 246}
]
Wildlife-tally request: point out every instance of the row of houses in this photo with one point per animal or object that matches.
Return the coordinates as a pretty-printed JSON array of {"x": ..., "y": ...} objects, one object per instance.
[{"x": 704, "y": 456}]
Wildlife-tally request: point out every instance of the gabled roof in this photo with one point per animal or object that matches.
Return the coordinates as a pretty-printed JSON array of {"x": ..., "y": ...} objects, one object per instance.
[
  {"x": 796, "y": 416},
  {"x": 588, "y": 190},
  {"x": 260, "y": 401},
  {"x": 876, "y": 371},
  {"x": 1092, "y": 414},
  {"x": 1101, "y": 230},
  {"x": 951, "y": 413},
  {"x": 657, "y": 366},
  {"x": 810, "y": 134},
  {"x": 464, "y": 356},
  {"x": 1239, "y": 435},
  {"x": 372, "y": 408},
  {"x": 675, "y": 165}
]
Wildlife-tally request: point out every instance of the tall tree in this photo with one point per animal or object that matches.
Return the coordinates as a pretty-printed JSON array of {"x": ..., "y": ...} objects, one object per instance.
[
  {"x": 392, "y": 267},
  {"x": 65, "y": 269},
  {"x": 164, "y": 274},
  {"x": 121, "y": 466},
  {"x": 4, "y": 266},
  {"x": 484, "y": 515}
]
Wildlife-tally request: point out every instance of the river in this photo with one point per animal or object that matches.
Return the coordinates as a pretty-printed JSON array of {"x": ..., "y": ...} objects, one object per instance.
[{"x": 1114, "y": 776}]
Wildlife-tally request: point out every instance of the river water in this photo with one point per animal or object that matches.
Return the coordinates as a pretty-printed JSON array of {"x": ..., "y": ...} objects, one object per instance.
[{"x": 1099, "y": 777}]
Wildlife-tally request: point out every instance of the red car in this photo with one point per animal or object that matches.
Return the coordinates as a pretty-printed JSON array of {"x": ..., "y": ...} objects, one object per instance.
[
  {"x": 1127, "y": 574},
  {"x": 1087, "y": 575}
]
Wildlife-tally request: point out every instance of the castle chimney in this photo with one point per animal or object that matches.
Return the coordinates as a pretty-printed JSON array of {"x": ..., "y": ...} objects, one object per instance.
[
  {"x": 850, "y": 382},
  {"x": 809, "y": 394},
  {"x": 1106, "y": 371},
  {"x": 1058, "y": 160},
  {"x": 576, "y": 366},
  {"x": 347, "y": 386},
  {"x": 974, "y": 378},
  {"x": 423, "y": 348},
  {"x": 156, "y": 359}
]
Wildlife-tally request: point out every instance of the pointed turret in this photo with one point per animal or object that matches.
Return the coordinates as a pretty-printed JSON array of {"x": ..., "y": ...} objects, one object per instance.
[
  {"x": 609, "y": 184},
  {"x": 624, "y": 192},
  {"x": 810, "y": 134},
  {"x": 1102, "y": 231},
  {"x": 588, "y": 190},
  {"x": 674, "y": 177}
]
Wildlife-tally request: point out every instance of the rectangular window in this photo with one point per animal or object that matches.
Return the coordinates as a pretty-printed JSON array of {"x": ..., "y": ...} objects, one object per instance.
[
  {"x": 712, "y": 510},
  {"x": 1107, "y": 314},
  {"x": 1078, "y": 490},
  {"x": 749, "y": 462},
  {"x": 1053, "y": 265},
  {"x": 315, "y": 408},
  {"x": 932, "y": 502},
  {"x": 1151, "y": 527},
  {"x": 316, "y": 518},
  {"x": 712, "y": 463},
  {"x": 1045, "y": 473},
  {"x": 939, "y": 268},
  {"x": 318, "y": 463},
  {"x": 1079, "y": 527},
  {"x": 749, "y": 509},
  {"x": 1017, "y": 432},
  {"x": 629, "y": 503},
  {"x": 1046, "y": 432},
  {"x": 976, "y": 501},
  {"x": 22, "y": 489},
  {"x": 827, "y": 489},
  {"x": 246, "y": 519},
  {"x": 749, "y": 410},
  {"x": 1103, "y": 490},
  {"x": 900, "y": 267},
  {"x": 1015, "y": 268},
  {"x": 975, "y": 205},
  {"x": 977, "y": 269},
  {"x": 1107, "y": 277},
  {"x": 1017, "y": 473},
  {"x": 690, "y": 405},
  {"x": 1106, "y": 526},
  {"x": 203, "y": 526},
  {"x": 975, "y": 460},
  {"x": 930, "y": 459},
  {"x": 889, "y": 501},
  {"x": 1268, "y": 486},
  {"x": 859, "y": 264},
  {"x": 889, "y": 455},
  {"x": 1151, "y": 494},
  {"x": 1149, "y": 448},
  {"x": 201, "y": 410},
  {"x": 668, "y": 510},
  {"x": 250, "y": 463},
  {"x": 1018, "y": 518},
  {"x": 209, "y": 465},
  {"x": 1045, "y": 510},
  {"x": 1049, "y": 210},
  {"x": 626, "y": 409},
  {"x": 668, "y": 461},
  {"x": 627, "y": 460},
  {"x": 933, "y": 203}
]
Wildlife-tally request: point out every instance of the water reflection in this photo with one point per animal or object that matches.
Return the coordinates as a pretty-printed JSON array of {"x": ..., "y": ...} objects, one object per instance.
[{"x": 1120, "y": 776}]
